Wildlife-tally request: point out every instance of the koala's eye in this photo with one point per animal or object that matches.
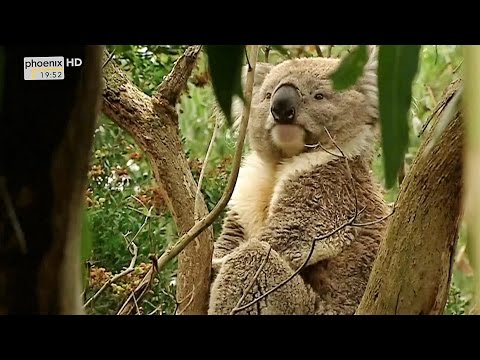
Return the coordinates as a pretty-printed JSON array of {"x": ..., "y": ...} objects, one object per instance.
[
  {"x": 268, "y": 96},
  {"x": 319, "y": 96}
]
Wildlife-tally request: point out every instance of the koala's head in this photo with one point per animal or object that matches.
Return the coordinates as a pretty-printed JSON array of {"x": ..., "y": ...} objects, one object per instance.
[{"x": 293, "y": 102}]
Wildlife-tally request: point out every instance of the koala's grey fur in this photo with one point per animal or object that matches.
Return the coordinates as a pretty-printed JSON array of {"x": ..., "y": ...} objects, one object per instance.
[{"x": 288, "y": 194}]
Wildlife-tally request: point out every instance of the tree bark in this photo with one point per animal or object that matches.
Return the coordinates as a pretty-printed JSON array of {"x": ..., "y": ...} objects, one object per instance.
[
  {"x": 153, "y": 123},
  {"x": 412, "y": 272},
  {"x": 46, "y": 137}
]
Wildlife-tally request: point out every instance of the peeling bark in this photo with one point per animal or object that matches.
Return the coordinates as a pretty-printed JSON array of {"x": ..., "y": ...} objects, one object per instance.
[
  {"x": 153, "y": 123},
  {"x": 412, "y": 272}
]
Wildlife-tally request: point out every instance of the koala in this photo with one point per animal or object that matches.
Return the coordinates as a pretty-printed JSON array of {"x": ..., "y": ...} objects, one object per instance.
[{"x": 307, "y": 174}]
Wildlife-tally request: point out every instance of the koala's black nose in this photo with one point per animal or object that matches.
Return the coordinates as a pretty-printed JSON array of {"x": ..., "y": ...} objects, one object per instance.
[{"x": 284, "y": 104}]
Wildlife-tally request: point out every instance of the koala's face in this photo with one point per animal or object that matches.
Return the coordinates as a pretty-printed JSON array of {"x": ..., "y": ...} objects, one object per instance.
[{"x": 295, "y": 102}]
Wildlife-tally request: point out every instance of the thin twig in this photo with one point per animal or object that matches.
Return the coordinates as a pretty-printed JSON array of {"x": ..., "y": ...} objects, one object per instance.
[
  {"x": 140, "y": 201},
  {"x": 197, "y": 229},
  {"x": 190, "y": 295},
  {"x": 202, "y": 172},
  {"x": 319, "y": 51},
  {"x": 333, "y": 232},
  {"x": 141, "y": 289},
  {"x": 267, "y": 52},
  {"x": 147, "y": 217},
  {"x": 348, "y": 169},
  {"x": 109, "y": 58},
  {"x": 11, "y": 214},
  {"x": 200, "y": 226},
  {"x": 178, "y": 303},
  {"x": 128, "y": 270},
  {"x": 136, "y": 304},
  {"x": 249, "y": 287},
  {"x": 329, "y": 51},
  {"x": 457, "y": 67},
  {"x": 375, "y": 221},
  {"x": 156, "y": 309}
]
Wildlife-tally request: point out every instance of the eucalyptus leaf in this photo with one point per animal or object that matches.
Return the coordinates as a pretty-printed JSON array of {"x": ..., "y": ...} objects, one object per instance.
[
  {"x": 225, "y": 63},
  {"x": 350, "y": 68},
  {"x": 397, "y": 68}
]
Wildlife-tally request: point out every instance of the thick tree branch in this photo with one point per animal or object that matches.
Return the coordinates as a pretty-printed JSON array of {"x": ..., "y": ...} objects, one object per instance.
[
  {"x": 200, "y": 226},
  {"x": 153, "y": 123},
  {"x": 412, "y": 272}
]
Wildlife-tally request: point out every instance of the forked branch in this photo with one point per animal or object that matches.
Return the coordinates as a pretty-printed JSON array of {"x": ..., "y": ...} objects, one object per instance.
[{"x": 205, "y": 222}]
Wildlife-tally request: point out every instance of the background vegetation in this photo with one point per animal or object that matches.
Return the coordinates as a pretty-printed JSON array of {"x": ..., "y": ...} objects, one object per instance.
[{"x": 123, "y": 206}]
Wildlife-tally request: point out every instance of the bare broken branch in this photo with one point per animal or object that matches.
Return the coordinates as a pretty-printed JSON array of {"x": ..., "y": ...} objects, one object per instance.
[{"x": 176, "y": 81}]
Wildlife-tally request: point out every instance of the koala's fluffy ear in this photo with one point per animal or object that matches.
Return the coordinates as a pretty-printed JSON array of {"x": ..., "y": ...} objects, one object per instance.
[
  {"x": 367, "y": 84},
  {"x": 261, "y": 71}
]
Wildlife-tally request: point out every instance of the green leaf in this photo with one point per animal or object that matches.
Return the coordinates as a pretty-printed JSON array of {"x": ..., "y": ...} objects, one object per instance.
[
  {"x": 225, "y": 62},
  {"x": 397, "y": 68},
  {"x": 86, "y": 246},
  {"x": 350, "y": 68}
]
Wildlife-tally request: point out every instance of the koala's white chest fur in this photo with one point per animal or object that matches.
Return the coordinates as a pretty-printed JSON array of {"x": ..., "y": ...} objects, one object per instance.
[{"x": 259, "y": 186}]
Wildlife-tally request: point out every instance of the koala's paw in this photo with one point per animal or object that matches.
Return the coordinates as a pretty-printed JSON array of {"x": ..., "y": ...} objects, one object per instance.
[{"x": 239, "y": 269}]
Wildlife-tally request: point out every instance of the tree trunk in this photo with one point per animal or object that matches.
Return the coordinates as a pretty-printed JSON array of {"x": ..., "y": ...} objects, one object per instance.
[
  {"x": 412, "y": 272},
  {"x": 46, "y": 135},
  {"x": 153, "y": 123}
]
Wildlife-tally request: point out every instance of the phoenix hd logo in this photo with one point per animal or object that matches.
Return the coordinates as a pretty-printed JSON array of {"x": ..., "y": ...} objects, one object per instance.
[{"x": 48, "y": 68}]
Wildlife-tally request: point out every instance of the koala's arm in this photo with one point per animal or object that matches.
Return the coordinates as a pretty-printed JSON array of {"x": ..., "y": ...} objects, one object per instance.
[
  {"x": 230, "y": 238},
  {"x": 308, "y": 209}
]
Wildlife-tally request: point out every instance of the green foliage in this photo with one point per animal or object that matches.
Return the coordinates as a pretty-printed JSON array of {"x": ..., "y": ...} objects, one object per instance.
[
  {"x": 350, "y": 69},
  {"x": 225, "y": 63},
  {"x": 397, "y": 67},
  {"x": 147, "y": 65},
  {"x": 121, "y": 181},
  {"x": 86, "y": 247},
  {"x": 86, "y": 243},
  {"x": 457, "y": 303},
  {"x": 122, "y": 187}
]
